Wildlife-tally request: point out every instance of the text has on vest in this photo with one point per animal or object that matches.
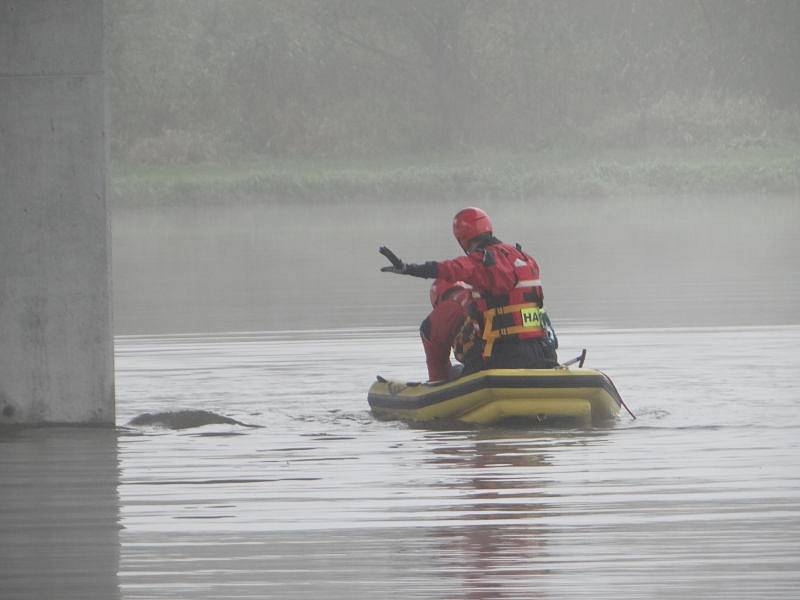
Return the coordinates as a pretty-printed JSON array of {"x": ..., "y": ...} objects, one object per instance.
[{"x": 530, "y": 317}]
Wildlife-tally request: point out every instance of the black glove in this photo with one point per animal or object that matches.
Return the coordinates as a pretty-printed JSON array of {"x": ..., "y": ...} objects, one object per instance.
[
  {"x": 426, "y": 270},
  {"x": 397, "y": 265},
  {"x": 399, "y": 270}
]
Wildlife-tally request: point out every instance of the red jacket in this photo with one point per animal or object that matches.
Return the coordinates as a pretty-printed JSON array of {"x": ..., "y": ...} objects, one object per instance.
[
  {"x": 507, "y": 288},
  {"x": 439, "y": 330},
  {"x": 490, "y": 279}
]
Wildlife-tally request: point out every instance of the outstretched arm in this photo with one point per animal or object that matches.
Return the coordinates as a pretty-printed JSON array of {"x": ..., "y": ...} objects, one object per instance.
[
  {"x": 463, "y": 268},
  {"x": 426, "y": 270},
  {"x": 458, "y": 269}
]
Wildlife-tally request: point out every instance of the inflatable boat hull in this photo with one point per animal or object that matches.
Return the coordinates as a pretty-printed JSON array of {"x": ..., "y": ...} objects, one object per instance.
[{"x": 583, "y": 395}]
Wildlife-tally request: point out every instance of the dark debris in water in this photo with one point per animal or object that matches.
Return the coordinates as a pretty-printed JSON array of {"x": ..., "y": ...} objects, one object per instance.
[{"x": 184, "y": 419}]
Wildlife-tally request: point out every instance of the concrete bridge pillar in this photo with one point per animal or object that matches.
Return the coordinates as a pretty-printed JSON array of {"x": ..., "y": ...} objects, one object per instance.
[{"x": 56, "y": 346}]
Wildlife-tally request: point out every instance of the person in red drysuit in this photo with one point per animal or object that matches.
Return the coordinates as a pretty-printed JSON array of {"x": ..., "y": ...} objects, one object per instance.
[
  {"x": 450, "y": 326},
  {"x": 508, "y": 296}
]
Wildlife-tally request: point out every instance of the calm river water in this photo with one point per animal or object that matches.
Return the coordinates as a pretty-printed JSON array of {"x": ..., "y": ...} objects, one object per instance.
[
  {"x": 308, "y": 496},
  {"x": 699, "y": 497}
]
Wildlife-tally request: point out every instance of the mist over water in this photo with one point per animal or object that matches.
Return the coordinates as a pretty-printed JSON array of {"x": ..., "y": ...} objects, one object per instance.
[{"x": 632, "y": 262}]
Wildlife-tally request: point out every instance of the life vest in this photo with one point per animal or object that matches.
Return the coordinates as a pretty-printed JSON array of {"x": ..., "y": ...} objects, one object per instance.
[
  {"x": 469, "y": 334},
  {"x": 518, "y": 312}
]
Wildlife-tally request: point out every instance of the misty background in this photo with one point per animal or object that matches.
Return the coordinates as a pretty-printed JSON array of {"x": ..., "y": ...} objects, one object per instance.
[
  {"x": 222, "y": 79},
  {"x": 646, "y": 152}
]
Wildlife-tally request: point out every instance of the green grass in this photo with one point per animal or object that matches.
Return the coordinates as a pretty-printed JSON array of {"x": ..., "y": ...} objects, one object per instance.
[{"x": 575, "y": 173}]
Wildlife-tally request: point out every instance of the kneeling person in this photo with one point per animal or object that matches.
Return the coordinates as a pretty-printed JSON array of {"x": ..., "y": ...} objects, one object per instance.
[{"x": 451, "y": 326}]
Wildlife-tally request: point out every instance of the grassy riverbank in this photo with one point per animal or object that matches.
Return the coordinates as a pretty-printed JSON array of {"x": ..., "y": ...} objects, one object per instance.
[{"x": 753, "y": 169}]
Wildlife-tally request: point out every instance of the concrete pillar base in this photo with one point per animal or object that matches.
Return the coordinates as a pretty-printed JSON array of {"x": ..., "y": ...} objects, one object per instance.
[{"x": 56, "y": 347}]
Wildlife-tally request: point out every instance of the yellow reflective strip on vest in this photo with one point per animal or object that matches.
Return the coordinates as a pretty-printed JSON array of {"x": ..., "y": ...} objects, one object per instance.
[{"x": 531, "y": 317}]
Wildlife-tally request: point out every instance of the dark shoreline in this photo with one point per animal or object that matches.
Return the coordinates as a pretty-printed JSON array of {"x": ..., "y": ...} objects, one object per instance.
[{"x": 755, "y": 170}]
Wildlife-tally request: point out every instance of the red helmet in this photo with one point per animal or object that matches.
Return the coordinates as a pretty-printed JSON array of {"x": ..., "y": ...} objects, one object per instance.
[
  {"x": 441, "y": 286},
  {"x": 469, "y": 223}
]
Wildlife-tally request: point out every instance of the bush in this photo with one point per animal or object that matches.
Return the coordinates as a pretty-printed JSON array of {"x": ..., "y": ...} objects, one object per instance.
[{"x": 687, "y": 121}]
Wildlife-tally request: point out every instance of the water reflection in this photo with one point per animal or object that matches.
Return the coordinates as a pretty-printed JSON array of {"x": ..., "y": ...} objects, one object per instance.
[
  {"x": 502, "y": 478},
  {"x": 59, "y": 513},
  {"x": 500, "y": 483}
]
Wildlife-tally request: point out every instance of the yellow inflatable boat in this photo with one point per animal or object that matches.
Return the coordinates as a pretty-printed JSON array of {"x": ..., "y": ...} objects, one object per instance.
[{"x": 582, "y": 395}]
